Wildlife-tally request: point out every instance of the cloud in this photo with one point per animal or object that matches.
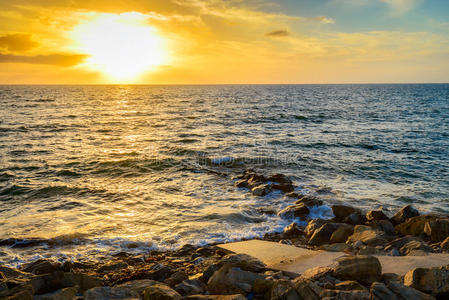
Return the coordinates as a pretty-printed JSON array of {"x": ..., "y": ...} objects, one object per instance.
[
  {"x": 401, "y": 6},
  {"x": 62, "y": 60},
  {"x": 278, "y": 33},
  {"x": 17, "y": 42},
  {"x": 323, "y": 19}
]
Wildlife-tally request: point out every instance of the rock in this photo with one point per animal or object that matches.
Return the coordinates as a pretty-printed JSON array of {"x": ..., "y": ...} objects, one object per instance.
[
  {"x": 342, "y": 233},
  {"x": 244, "y": 262},
  {"x": 21, "y": 295},
  {"x": 260, "y": 190},
  {"x": 241, "y": 183},
  {"x": 280, "y": 178},
  {"x": 216, "y": 297},
  {"x": 368, "y": 236},
  {"x": 415, "y": 225},
  {"x": 50, "y": 282},
  {"x": 108, "y": 293},
  {"x": 261, "y": 286},
  {"x": 342, "y": 211},
  {"x": 284, "y": 290},
  {"x": 285, "y": 188},
  {"x": 137, "y": 286},
  {"x": 445, "y": 244},
  {"x": 355, "y": 219},
  {"x": 41, "y": 266},
  {"x": 337, "y": 247},
  {"x": 404, "y": 213},
  {"x": 408, "y": 293},
  {"x": 293, "y": 195},
  {"x": 368, "y": 250},
  {"x": 365, "y": 269},
  {"x": 323, "y": 234},
  {"x": 414, "y": 245},
  {"x": 190, "y": 287},
  {"x": 379, "y": 291},
  {"x": 307, "y": 289},
  {"x": 309, "y": 201},
  {"x": 314, "y": 274},
  {"x": 434, "y": 281},
  {"x": 159, "y": 272},
  {"x": 349, "y": 285},
  {"x": 13, "y": 273},
  {"x": 84, "y": 281},
  {"x": 292, "y": 230},
  {"x": 63, "y": 294},
  {"x": 313, "y": 225},
  {"x": 383, "y": 225},
  {"x": 177, "y": 277},
  {"x": 376, "y": 215},
  {"x": 112, "y": 267},
  {"x": 160, "y": 292},
  {"x": 344, "y": 295},
  {"x": 207, "y": 274},
  {"x": 400, "y": 242},
  {"x": 388, "y": 277},
  {"x": 230, "y": 280},
  {"x": 438, "y": 230},
  {"x": 297, "y": 210}
]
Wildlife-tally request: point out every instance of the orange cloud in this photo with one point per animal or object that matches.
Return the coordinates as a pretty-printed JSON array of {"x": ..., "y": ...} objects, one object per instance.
[
  {"x": 17, "y": 42},
  {"x": 62, "y": 60}
]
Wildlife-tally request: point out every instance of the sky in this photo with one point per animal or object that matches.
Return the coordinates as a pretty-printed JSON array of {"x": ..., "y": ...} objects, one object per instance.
[{"x": 223, "y": 42}]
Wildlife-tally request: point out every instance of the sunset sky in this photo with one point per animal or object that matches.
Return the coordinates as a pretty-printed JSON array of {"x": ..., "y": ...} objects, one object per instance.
[{"x": 236, "y": 41}]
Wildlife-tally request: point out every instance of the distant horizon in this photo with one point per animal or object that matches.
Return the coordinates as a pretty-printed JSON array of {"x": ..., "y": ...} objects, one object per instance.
[{"x": 214, "y": 84}]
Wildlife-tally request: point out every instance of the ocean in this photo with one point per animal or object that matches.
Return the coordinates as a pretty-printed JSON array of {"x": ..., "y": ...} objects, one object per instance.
[{"x": 86, "y": 171}]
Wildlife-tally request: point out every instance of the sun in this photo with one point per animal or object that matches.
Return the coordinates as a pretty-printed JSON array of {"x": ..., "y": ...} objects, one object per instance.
[{"x": 121, "y": 46}]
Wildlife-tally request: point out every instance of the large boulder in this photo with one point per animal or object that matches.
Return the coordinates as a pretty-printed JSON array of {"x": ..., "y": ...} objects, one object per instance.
[
  {"x": 429, "y": 280},
  {"x": 344, "y": 295},
  {"x": 244, "y": 262},
  {"x": 407, "y": 293},
  {"x": 380, "y": 291},
  {"x": 383, "y": 225},
  {"x": 438, "y": 229},
  {"x": 191, "y": 287},
  {"x": 323, "y": 234},
  {"x": 292, "y": 230},
  {"x": 309, "y": 201},
  {"x": 342, "y": 233},
  {"x": 313, "y": 225},
  {"x": 366, "y": 269},
  {"x": 109, "y": 293},
  {"x": 298, "y": 211},
  {"x": 160, "y": 292},
  {"x": 404, "y": 213},
  {"x": 368, "y": 236},
  {"x": 415, "y": 225},
  {"x": 62, "y": 294},
  {"x": 376, "y": 215},
  {"x": 230, "y": 280},
  {"x": 343, "y": 211},
  {"x": 41, "y": 266},
  {"x": 284, "y": 290},
  {"x": 137, "y": 286}
]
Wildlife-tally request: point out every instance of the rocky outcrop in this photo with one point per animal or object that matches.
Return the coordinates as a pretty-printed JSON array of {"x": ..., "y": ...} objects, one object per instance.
[
  {"x": 404, "y": 213},
  {"x": 160, "y": 292},
  {"x": 368, "y": 236},
  {"x": 366, "y": 269},
  {"x": 343, "y": 211},
  {"x": 438, "y": 229},
  {"x": 376, "y": 215},
  {"x": 415, "y": 225},
  {"x": 434, "y": 281},
  {"x": 230, "y": 280},
  {"x": 323, "y": 234}
]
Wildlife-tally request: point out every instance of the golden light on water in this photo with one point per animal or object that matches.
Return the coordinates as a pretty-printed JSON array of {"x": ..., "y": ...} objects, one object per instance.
[{"x": 122, "y": 47}]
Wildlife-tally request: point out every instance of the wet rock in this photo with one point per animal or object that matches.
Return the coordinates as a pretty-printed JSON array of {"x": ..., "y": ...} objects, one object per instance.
[
  {"x": 342, "y": 211},
  {"x": 186, "y": 249},
  {"x": 313, "y": 225},
  {"x": 284, "y": 290},
  {"x": 63, "y": 294},
  {"x": 376, "y": 215},
  {"x": 13, "y": 273},
  {"x": 207, "y": 274},
  {"x": 368, "y": 236},
  {"x": 137, "y": 286},
  {"x": 280, "y": 178},
  {"x": 285, "y": 188},
  {"x": 429, "y": 280},
  {"x": 309, "y": 201},
  {"x": 445, "y": 244},
  {"x": 260, "y": 190},
  {"x": 413, "y": 246},
  {"x": 365, "y": 269},
  {"x": 160, "y": 292},
  {"x": 344, "y": 295},
  {"x": 41, "y": 266},
  {"x": 241, "y": 183},
  {"x": 216, "y": 297},
  {"x": 293, "y": 195},
  {"x": 337, "y": 247},
  {"x": 400, "y": 242},
  {"x": 84, "y": 281},
  {"x": 408, "y": 293},
  {"x": 159, "y": 272},
  {"x": 342, "y": 233},
  {"x": 244, "y": 262},
  {"x": 191, "y": 287},
  {"x": 349, "y": 285},
  {"x": 355, "y": 219},
  {"x": 177, "y": 277},
  {"x": 415, "y": 225},
  {"x": 380, "y": 291},
  {"x": 404, "y": 213},
  {"x": 297, "y": 210},
  {"x": 261, "y": 286},
  {"x": 109, "y": 293},
  {"x": 292, "y": 230},
  {"x": 438, "y": 229},
  {"x": 315, "y": 274},
  {"x": 368, "y": 250},
  {"x": 231, "y": 280},
  {"x": 323, "y": 234},
  {"x": 112, "y": 267}
]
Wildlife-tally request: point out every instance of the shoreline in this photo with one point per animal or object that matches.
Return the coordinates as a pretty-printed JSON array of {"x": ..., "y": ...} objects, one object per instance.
[{"x": 196, "y": 270}]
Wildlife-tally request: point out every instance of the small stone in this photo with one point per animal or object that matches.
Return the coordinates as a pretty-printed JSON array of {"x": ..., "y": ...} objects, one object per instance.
[
  {"x": 160, "y": 292},
  {"x": 292, "y": 230},
  {"x": 176, "y": 278},
  {"x": 297, "y": 210},
  {"x": 438, "y": 230},
  {"x": 244, "y": 262},
  {"x": 376, "y": 215},
  {"x": 404, "y": 213},
  {"x": 366, "y": 269},
  {"x": 379, "y": 291},
  {"x": 285, "y": 188},
  {"x": 190, "y": 287},
  {"x": 342, "y": 211},
  {"x": 349, "y": 285},
  {"x": 260, "y": 190}
]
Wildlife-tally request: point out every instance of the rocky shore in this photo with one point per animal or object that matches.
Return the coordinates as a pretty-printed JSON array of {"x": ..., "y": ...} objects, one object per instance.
[{"x": 213, "y": 273}]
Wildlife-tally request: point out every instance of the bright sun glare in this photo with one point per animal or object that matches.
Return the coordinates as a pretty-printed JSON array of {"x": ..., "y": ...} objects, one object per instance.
[{"x": 122, "y": 47}]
